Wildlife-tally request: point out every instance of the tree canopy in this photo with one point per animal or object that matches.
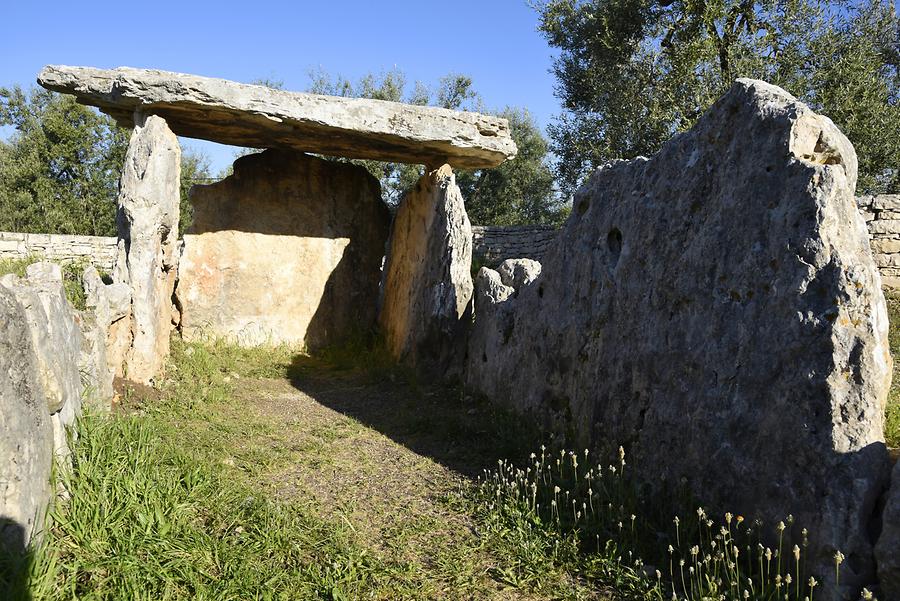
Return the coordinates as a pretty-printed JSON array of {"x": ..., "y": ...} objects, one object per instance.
[
  {"x": 632, "y": 73},
  {"x": 59, "y": 172},
  {"x": 518, "y": 191}
]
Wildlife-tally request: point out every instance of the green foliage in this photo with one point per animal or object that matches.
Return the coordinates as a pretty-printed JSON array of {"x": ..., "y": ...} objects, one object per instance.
[
  {"x": 195, "y": 169},
  {"x": 16, "y": 266},
  {"x": 73, "y": 284},
  {"x": 632, "y": 73},
  {"x": 517, "y": 192},
  {"x": 59, "y": 173}
]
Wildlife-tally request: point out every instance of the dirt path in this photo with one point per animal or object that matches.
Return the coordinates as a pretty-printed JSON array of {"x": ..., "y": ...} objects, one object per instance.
[{"x": 388, "y": 460}]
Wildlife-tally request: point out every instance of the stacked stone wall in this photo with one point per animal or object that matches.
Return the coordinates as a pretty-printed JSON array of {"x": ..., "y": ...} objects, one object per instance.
[
  {"x": 882, "y": 215},
  {"x": 99, "y": 251},
  {"x": 491, "y": 245}
]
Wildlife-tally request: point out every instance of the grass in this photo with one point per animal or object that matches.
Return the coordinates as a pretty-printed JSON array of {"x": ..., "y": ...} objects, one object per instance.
[
  {"x": 892, "y": 414},
  {"x": 223, "y": 487},
  {"x": 269, "y": 474}
]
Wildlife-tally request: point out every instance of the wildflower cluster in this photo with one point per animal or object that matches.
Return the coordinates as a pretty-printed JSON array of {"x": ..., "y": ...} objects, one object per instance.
[{"x": 689, "y": 558}]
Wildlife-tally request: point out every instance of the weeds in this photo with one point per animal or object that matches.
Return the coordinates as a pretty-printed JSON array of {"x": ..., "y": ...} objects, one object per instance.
[
  {"x": 892, "y": 412},
  {"x": 585, "y": 517}
]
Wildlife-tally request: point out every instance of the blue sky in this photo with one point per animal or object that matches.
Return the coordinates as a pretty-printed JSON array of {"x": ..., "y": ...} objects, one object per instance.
[{"x": 493, "y": 41}]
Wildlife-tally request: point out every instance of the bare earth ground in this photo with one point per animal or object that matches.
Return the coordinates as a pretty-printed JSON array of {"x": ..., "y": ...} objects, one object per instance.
[{"x": 385, "y": 458}]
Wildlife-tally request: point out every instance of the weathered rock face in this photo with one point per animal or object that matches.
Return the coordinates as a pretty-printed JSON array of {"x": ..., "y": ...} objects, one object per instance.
[
  {"x": 149, "y": 197},
  {"x": 428, "y": 284},
  {"x": 715, "y": 310},
  {"x": 56, "y": 337},
  {"x": 287, "y": 249},
  {"x": 26, "y": 438},
  {"x": 887, "y": 551},
  {"x": 103, "y": 353},
  {"x": 249, "y": 115},
  {"x": 41, "y": 393}
]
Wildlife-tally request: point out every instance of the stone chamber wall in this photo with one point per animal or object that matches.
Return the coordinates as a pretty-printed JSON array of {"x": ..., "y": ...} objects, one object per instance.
[{"x": 99, "y": 251}]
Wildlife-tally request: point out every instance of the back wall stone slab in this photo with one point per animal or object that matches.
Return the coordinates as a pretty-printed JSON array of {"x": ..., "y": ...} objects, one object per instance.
[{"x": 288, "y": 249}]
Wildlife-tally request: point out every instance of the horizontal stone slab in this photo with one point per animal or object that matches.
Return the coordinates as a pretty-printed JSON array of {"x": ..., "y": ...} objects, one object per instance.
[{"x": 257, "y": 116}]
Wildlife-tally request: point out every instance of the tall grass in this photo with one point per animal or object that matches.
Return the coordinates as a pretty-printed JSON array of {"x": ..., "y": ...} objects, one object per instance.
[{"x": 145, "y": 520}]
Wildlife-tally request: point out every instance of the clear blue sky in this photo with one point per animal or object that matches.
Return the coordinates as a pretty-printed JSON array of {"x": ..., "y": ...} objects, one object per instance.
[{"x": 493, "y": 41}]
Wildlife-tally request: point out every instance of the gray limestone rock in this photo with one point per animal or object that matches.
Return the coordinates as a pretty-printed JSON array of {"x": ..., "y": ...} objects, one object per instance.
[
  {"x": 716, "y": 310},
  {"x": 55, "y": 336},
  {"x": 106, "y": 304},
  {"x": 518, "y": 272},
  {"x": 149, "y": 197},
  {"x": 252, "y": 115},
  {"x": 428, "y": 283},
  {"x": 26, "y": 439}
]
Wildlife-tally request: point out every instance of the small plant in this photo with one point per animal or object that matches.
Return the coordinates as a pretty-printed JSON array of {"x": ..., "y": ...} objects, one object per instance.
[{"x": 588, "y": 513}]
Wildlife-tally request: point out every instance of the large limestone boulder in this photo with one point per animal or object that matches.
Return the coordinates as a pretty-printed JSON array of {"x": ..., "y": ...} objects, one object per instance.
[
  {"x": 251, "y": 115},
  {"x": 26, "y": 438},
  {"x": 716, "y": 310},
  {"x": 288, "y": 249},
  {"x": 149, "y": 197},
  {"x": 428, "y": 283},
  {"x": 55, "y": 335}
]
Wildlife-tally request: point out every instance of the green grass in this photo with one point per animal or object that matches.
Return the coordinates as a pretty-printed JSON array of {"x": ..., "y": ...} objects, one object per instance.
[
  {"x": 147, "y": 521},
  {"x": 892, "y": 414},
  {"x": 345, "y": 484}
]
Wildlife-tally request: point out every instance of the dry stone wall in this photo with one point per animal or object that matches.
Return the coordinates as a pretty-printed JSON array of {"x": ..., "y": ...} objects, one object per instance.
[
  {"x": 99, "y": 251},
  {"x": 882, "y": 215},
  {"x": 493, "y": 244}
]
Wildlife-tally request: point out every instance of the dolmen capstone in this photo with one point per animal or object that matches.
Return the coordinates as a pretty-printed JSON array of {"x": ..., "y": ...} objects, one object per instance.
[
  {"x": 290, "y": 247},
  {"x": 261, "y": 117},
  {"x": 715, "y": 309}
]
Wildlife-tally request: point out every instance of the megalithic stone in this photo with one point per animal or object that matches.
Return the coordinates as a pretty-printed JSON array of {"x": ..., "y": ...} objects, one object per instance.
[
  {"x": 147, "y": 220},
  {"x": 715, "y": 309},
  {"x": 428, "y": 281}
]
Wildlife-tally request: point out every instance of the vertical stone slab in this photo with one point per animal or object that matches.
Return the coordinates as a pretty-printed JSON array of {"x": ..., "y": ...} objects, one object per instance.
[
  {"x": 428, "y": 282},
  {"x": 148, "y": 227},
  {"x": 287, "y": 249},
  {"x": 715, "y": 309},
  {"x": 26, "y": 436}
]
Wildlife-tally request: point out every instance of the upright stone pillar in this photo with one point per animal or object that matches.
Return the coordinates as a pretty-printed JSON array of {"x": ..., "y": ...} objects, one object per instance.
[
  {"x": 149, "y": 196},
  {"x": 428, "y": 280}
]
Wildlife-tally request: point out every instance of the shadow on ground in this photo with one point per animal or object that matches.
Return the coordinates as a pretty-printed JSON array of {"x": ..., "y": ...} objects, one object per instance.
[{"x": 443, "y": 423}]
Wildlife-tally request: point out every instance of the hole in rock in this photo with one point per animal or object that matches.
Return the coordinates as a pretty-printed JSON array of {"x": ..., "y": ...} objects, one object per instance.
[{"x": 614, "y": 243}]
